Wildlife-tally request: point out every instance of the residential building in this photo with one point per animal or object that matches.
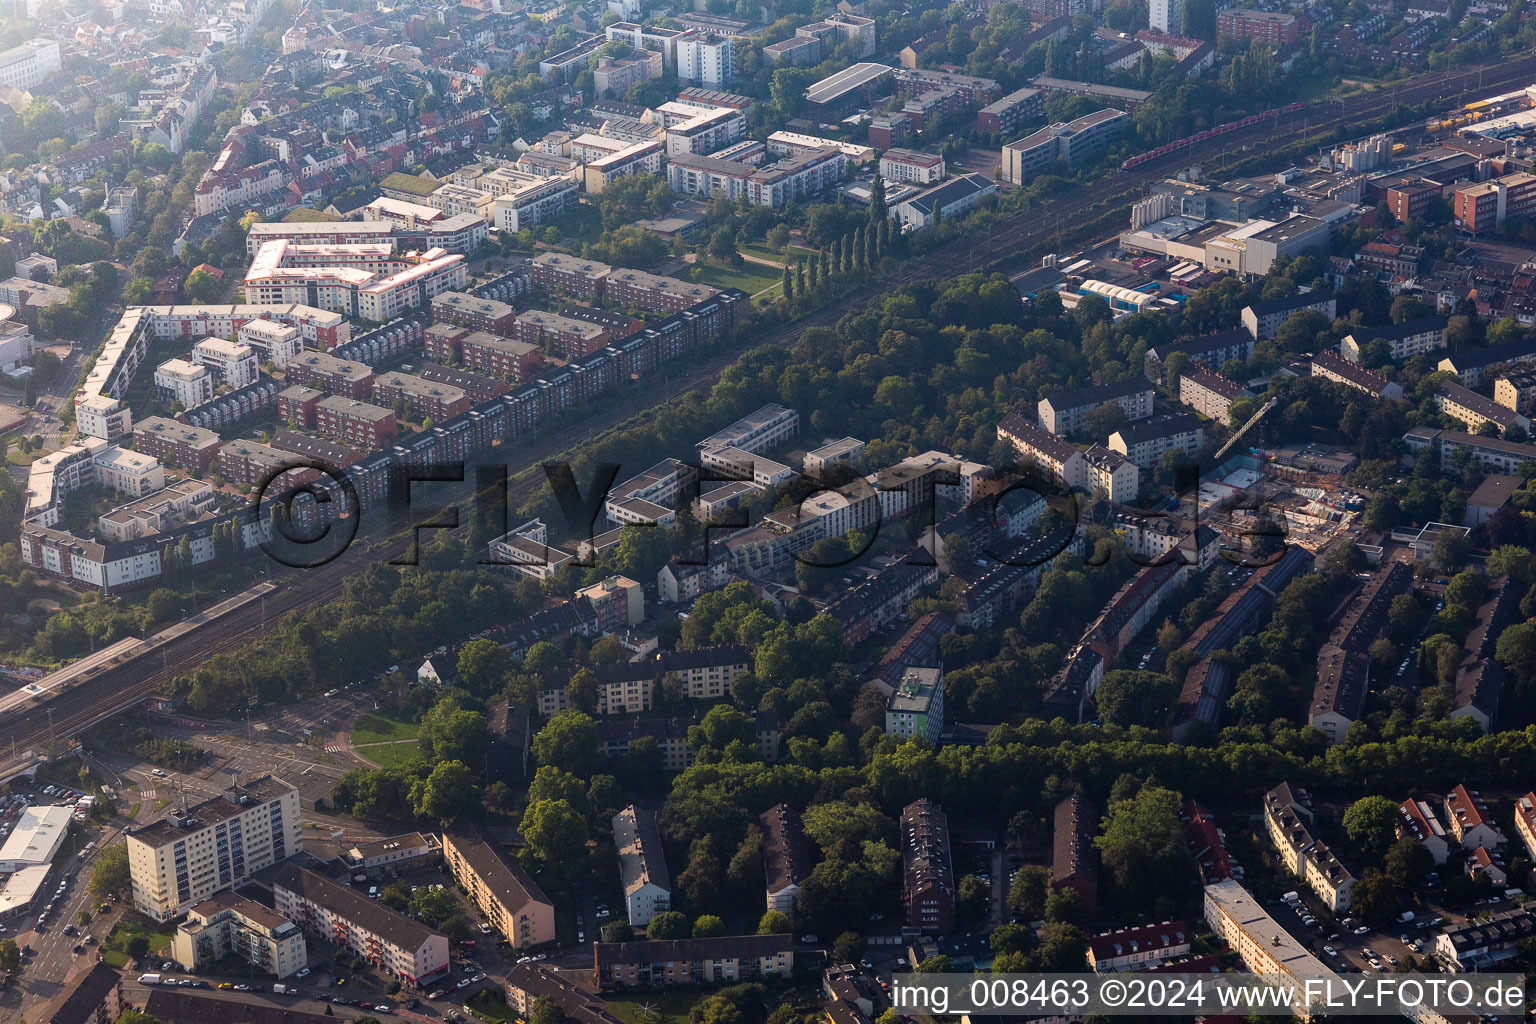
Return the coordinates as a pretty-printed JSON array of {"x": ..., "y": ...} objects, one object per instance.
[
  {"x": 369, "y": 281},
  {"x": 1482, "y": 206},
  {"x": 786, "y": 857},
  {"x": 473, "y": 312},
  {"x": 507, "y": 896},
  {"x": 927, "y": 870},
  {"x": 617, "y": 601},
  {"x": 527, "y": 983},
  {"x": 410, "y": 849},
  {"x": 93, "y": 997},
  {"x": 184, "y": 383},
  {"x": 529, "y": 200},
  {"x": 176, "y": 444},
  {"x": 233, "y": 361},
  {"x": 1493, "y": 494},
  {"x": 1135, "y": 949},
  {"x": 709, "y": 60},
  {"x": 231, "y": 925},
  {"x": 1331, "y": 366},
  {"x": 1473, "y": 364},
  {"x": 1239, "y": 919},
  {"x": 1002, "y": 116},
  {"x": 1074, "y": 860},
  {"x": 724, "y": 959},
  {"x": 654, "y": 293},
  {"x": 1209, "y": 393},
  {"x": 642, "y": 865},
  {"x": 1525, "y": 822},
  {"x": 757, "y": 432},
  {"x": 1410, "y": 338},
  {"x": 213, "y": 847},
  {"x": 1074, "y": 143},
  {"x": 27, "y": 66},
  {"x": 1344, "y": 661},
  {"x": 1416, "y": 820},
  {"x": 424, "y": 398},
  {"x": 1055, "y": 455},
  {"x": 916, "y": 707},
  {"x": 1288, "y": 818},
  {"x": 911, "y": 167},
  {"x": 1147, "y": 442},
  {"x": 398, "y": 946},
  {"x": 364, "y": 426},
  {"x": 248, "y": 464},
  {"x": 332, "y": 375},
  {"x": 1067, "y": 412},
  {"x": 584, "y": 279},
  {"x": 1484, "y": 945},
  {"x": 1263, "y": 318},
  {"x": 1474, "y": 410},
  {"x": 569, "y": 339},
  {"x": 1268, "y": 28},
  {"x": 1493, "y": 454},
  {"x": 1469, "y": 820},
  {"x": 1167, "y": 16}
]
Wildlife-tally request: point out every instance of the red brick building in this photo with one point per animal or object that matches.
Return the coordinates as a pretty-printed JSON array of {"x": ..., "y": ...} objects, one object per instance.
[
  {"x": 1271, "y": 28},
  {"x": 437, "y": 402},
  {"x": 555, "y": 272},
  {"x": 331, "y": 375},
  {"x": 473, "y": 312},
  {"x": 360, "y": 424},
  {"x": 654, "y": 293},
  {"x": 515, "y": 359},
  {"x": 176, "y": 444},
  {"x": 1483, "y": 206},
  {"x": 296, "y": 405},
  {"x": 571, "y": 339},
  {"x": 1412, "y": 198}
]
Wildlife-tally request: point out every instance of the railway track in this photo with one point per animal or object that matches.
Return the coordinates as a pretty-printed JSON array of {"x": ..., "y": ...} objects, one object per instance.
[{"x": 1007, "y": 245}]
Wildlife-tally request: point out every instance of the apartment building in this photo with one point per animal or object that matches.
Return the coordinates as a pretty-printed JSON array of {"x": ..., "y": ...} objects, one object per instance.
[
  {"x": 1209, "y": 393},
  {"x": 786, "y": 857},
  {"x": 1136, "y": 949},
  {"x": 369, "y": 281},
  {"x": 1111, "y": 474},
  {"x": 409, "y": 849},
  {"x": 1482, "y": 206},
  {"x": 1344, "y": 662},
  {"x": 212, "y": 847},
  {"x": 617, "y": 602},
  {"x": 528, "y": 983},
  {"x": 1239, "y": 919},
  {"x": 642, "y": 865},
  {"x": 1472, "y": 365},
  {"x": 232, "y": 925},
  {"x": 527, "y": 200},
  {"x": 916, "y": 707},
  {"x": 1288, "y": 819},
  {"x": 1409, "y": 338},
  {"x": 1067, "y": 412},
  {"x": 334, "y": 376},
  {"x": 1474, "y": 410},
  {"x": 93, "y": 997},
  {"x": 1006, "y": 115},
  {"x": 583, "y": 279},
  {"x": 911, "y": 167},
  {"x": 1147, "y": 442},
  {"x": 1074, "y": 859},
  {"x": 1484, "y": 945},
  {"x": 758, "y": 431},
  {"x": 1263, "y": 318},
  {"x": 1055, "y": 455},
  {"x": 1073, "y": 143},
  {"x": 616, "y": 733},
  {"x": 364, "y": 426},
  {"x": 277, "y": 343},
  {"x": 509, "y": 898},
  {"x": 724, "y": 959},
  {"x": 1469, "y": 820},
  {"x": 233, "y": 361},
  {"x": 927, "y": 871},
  {"x": 425, "y": 399},
  {"x": 707, "y": 131},
  {"x": 184, "y": 383},
  {"x": 253, "y": 464},
  {"x": 654, "y": 293},
  {"x": 706, "y": 674},
  {"x": 1416, "y": 820},
  {"x": 176, "y": 444},
  {"x": 517, "y": 361},
  {"x": 473, "y": 312},
  {"x": 1329, "y": 365},
  {"x": 569, "y": 339},
  {"x": 27, "y": 66},
  {"x": 1525, "y": 822},
  {"x": 1268, "y": 28}
]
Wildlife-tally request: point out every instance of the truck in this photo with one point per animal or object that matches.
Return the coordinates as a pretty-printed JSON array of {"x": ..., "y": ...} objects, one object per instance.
[
  {"x": 281, "y": 989},
  {"x": 149, "y": 979},
  {"x": 1405, "y": 917}
]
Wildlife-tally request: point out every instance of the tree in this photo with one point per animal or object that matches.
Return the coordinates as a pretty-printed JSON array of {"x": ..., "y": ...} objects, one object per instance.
[
  {"x": 1371, "y": 824},
  {"x": 557, "y": 837},
  {"x": 708, "y": 926},
  {"x": 546, "y": 1011},
  {"x": 448, "y": 732},
  {"x": 109, "y": 873},
  {"x": 716, "y": 1009},
  {"x": 1107, "y": 419},
  {"x": 722, "y": 246},
  {"x": 789, "y": 283},
  {"x": 434, "y": 906},
  {"x": 1142, "y": 843},
  {"x": 200, "y": 286},
  {"x": 877, "y": 207},
  {"x": 1027, "y": 894},
  {"x": 1373, "y": 899},
  {"x": 569, "y": 742},
  {"x": 669, "y": 924},
  {"x": 847, "y": 948},
  {"x": 483, "y": 667},
  {"x": 10, "y": 956},
  {"x": 774, "y": 922},
  {"x": 448, "y": 792},
  {"x": 137, "y": 946},
  {"x": 972, "y": 897},
  {"x": 1407, "y": 863},
  {"x": 1127, "y": 697}
]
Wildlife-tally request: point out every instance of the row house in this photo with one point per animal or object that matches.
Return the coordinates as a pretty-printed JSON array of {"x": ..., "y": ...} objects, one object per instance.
[{"x": 725, "y": 959}]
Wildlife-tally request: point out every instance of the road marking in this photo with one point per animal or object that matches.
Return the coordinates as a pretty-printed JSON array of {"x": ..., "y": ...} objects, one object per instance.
[{"x": 335, "y": 748}]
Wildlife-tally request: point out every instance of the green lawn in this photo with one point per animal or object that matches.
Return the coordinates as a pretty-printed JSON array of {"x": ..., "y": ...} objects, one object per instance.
[
  {"x": 749, "y": 277},
  {"x": 761, "y": 249},
  {"x": 115, "y": 949},
  {"x": 388, "y": 755},
  {"x": 664, "y": 1007},
  {"x": 375, "y": 727},
  {"x": 489, "y": 1004}
]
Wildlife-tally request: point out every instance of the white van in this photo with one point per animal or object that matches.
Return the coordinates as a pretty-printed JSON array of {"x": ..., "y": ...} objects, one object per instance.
[
  {"x": 1293, "y": 897},
  {"x": 149, "y": 979}
]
